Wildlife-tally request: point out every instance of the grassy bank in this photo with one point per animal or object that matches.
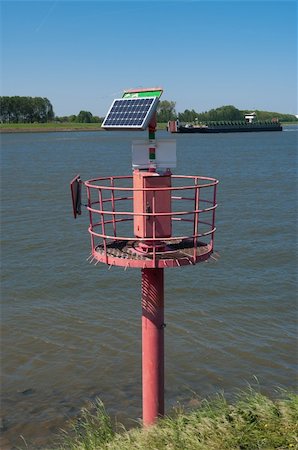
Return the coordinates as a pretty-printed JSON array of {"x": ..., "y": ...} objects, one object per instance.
[
  {"x": 252, "y": 422},
  {"x": 66, "y": 126},
  {"x": 53, "y": 126},
  {"x": 46, "y": 127}
]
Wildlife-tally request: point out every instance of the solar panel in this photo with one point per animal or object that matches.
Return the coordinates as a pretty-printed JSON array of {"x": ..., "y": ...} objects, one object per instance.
[{"x": 130, "y": 113}]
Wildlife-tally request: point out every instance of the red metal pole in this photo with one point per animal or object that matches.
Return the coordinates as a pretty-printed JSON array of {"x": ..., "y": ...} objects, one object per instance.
[{"x": 152, "y": 344}]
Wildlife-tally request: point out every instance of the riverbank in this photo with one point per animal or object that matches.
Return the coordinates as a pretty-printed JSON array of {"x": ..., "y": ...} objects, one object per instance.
[
  {"x": 55, "y": 127},
  {"x": 68, "y": 127},
  {"x": 48, "y": 127},
  {"x": 253, "y": 422}
]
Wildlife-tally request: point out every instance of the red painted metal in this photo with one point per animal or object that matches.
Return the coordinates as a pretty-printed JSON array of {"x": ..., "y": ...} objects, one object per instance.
[
  {"x": 152, "y": 344},
  {"x": 111, "y": 212},
  {"x": 146, "y": 201},
  {"x": 152, "y": 125},
  {"x": 165, "y": 235},
  {"x": 173, "y": 222}
]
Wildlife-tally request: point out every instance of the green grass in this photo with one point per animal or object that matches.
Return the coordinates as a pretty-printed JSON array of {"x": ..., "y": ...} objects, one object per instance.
[
  {"x": 51, "y": 126},
  {"x": 65, "y": 126},
  {"x": 253, "y": 422}
]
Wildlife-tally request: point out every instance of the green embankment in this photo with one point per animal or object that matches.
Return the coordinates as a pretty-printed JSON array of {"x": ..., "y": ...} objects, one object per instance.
[
  {"x": 50, "y": 126},
  {"x": 253, "y": 422},
  {"x": 66, "y": 126}
]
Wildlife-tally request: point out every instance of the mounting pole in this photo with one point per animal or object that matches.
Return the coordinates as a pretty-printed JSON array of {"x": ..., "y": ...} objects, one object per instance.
[
  {"x": 152, "y": 143},
  {"x": 152, "y": 325},
  {"x": 152, "y": 344}
]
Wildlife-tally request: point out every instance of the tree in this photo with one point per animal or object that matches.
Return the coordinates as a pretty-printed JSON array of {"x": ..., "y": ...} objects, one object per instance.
[
  {"x": 49, "y": 110},
  {"x": 223, "y": 113},
  {"x": 25, "y": 109},
  {"x": 97, "y": 119},
  {"x": 84, "y": 117},
  {"x": 166, "y": 111},
  {"x": 188, "y": 116}
]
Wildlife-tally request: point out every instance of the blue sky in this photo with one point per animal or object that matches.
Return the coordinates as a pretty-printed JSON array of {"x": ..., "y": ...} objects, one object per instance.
[{"x": 205, "y": 54}]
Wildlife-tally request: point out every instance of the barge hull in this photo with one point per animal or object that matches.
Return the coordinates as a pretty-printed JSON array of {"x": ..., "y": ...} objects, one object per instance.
[
  {"x": 175, "y": 127},
  {"x": 226, "y": 129}
]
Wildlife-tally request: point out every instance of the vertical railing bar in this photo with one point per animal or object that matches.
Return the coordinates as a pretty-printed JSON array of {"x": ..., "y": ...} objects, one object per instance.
[
  {"x": 154, "y": 227},
  {"x": 90, "y": 219},
  {"x": 213, "y": 214},
  {"x": 113, "y": 205},
  {"x": 100, "y": 199},
  {"x": 196, "y": 221}
]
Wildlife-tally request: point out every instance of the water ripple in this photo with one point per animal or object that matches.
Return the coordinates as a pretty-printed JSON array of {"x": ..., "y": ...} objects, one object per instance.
[{"x": 72, "y": 331}]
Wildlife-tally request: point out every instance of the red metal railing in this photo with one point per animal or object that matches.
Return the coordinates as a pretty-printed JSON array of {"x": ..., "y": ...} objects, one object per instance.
[{"x": 110, "y": 206}]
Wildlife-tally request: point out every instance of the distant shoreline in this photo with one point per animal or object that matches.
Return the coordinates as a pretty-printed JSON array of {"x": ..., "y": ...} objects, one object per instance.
[
  {"x": 65, "y": 128},
  {"x": 46, "y": 129}
]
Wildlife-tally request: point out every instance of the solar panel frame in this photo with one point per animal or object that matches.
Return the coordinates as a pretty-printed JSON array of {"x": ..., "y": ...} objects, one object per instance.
[{"x": 130, "y": 113}]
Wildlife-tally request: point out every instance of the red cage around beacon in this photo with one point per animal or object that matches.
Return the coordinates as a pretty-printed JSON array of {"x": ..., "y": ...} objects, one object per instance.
[{"x": 189, "y": 215}]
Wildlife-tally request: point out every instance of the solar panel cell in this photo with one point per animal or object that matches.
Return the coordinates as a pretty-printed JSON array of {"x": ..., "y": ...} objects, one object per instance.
[{"x": 130, "y": 113}]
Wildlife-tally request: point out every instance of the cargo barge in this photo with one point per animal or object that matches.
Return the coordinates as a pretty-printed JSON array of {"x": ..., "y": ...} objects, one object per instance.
[{"x": 248, "y": 125}]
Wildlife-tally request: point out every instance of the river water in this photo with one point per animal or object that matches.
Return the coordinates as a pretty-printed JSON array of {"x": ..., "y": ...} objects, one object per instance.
[{"x": 71, "y": 331}]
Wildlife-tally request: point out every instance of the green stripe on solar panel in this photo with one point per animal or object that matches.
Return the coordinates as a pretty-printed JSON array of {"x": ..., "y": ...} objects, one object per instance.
[{"x": 130, "y": 113}]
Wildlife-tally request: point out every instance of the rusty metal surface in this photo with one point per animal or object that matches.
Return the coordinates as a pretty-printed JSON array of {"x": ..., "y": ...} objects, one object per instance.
[{"x": 123, "y": 253}]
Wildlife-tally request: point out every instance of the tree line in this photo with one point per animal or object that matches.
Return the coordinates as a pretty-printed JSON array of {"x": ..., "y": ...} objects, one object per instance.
[
  {"x": 166, "y": 111},
  {"x": 38, "y": 109},
  {"x": 18, "y": 109},
  {"x": 82, "y": 117},
  {"x": 25, "y": 110}
]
